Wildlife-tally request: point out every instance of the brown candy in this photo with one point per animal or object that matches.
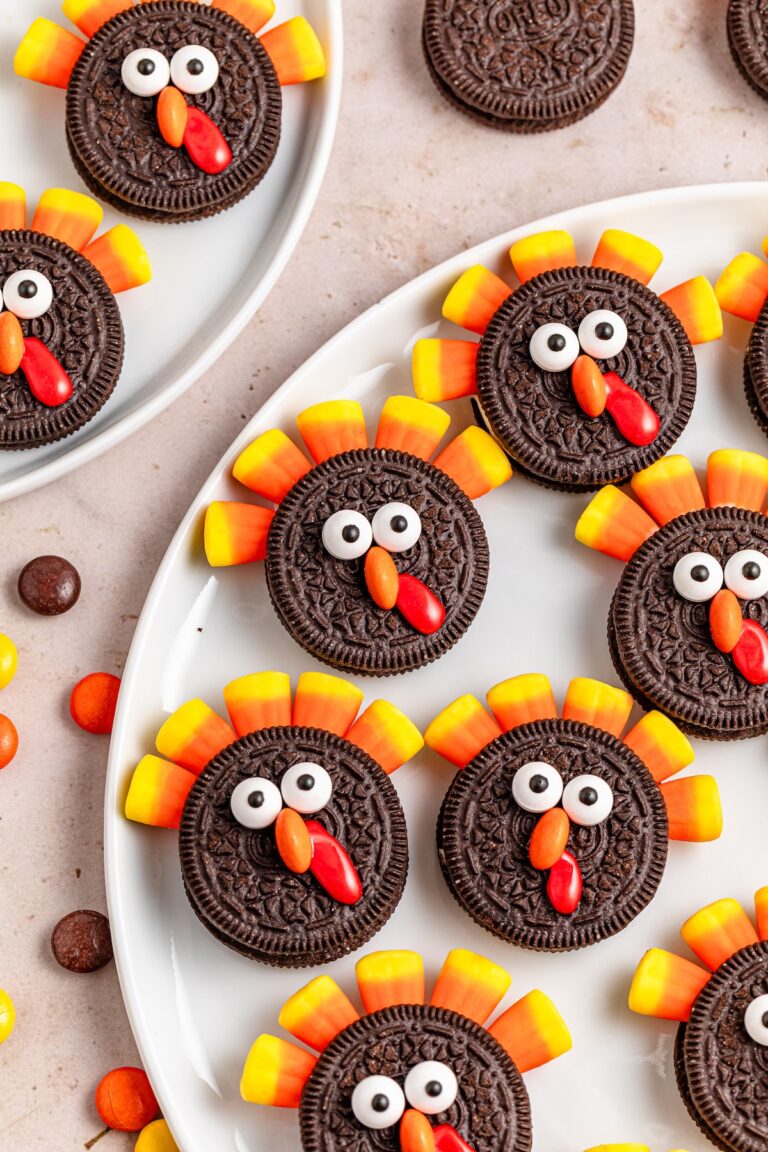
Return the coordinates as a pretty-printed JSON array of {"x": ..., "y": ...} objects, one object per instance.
[
  {"x": 81, "y": 942},
  {"x": 49, "y": 585}
]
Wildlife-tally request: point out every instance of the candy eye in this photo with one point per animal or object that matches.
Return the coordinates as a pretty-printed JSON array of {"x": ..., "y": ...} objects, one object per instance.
[
  {"x": 697, "y": 577},
  {"x": 537, "y": 786},
  {"x": 378, "y": 1102},
  {"x": 306, "y": 787},
  {"x": 194, "y": 69},
  {"x": 756, "y": 1020},
  {"x": 746, "y": 574},
  {"x": 554, "y": 347},
  {"x": 396, "y": 527},
  {"x": 588, "y": 800},
  {"x": 602, "y": 334},
  {"x": 145, "y": 72},
  {"x": 431, "y": 1087},
  {"x": 347, "y": 535},
  {"x": 28, "y": 294},
  {"x": 256, "y": 803}
]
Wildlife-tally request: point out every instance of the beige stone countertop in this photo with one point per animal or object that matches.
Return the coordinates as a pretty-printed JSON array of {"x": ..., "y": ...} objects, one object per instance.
[{"x": 410, "y": 183}]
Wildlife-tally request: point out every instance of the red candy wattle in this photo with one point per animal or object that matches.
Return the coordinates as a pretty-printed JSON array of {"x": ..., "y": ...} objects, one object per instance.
[
  {"x": 205, "y": 144},
  {"x": 564, "y": 885},
  {"x": 332, "y": 867},
  {"x": 420, "y": 607},
  {"x": 47, "y": 380},
  {"x": 751, "y": 653},
  {"x": 633, "y": 416},
  {"x": 447, "y": 1139}
]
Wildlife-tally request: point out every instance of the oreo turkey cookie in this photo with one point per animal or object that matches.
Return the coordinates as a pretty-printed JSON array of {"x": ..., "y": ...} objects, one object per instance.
[
  {"x": 527, "y": 67},
  {"x": 174, "y": 107},
  {"x": 747, "y": 24},
  {"x": 292, "y": 841},
  {"x": 741, "y": 291},
  {"x": 555, "y": 832},
  {"x": 583, "y": 374}
]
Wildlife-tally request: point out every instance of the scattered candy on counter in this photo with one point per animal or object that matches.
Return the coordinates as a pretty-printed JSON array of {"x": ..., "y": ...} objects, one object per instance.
[
  {"x": 93, "y": 702},
  {"x": 156, "y": 1137},
  {"x": 9, "y": 741},
  {"x": 7, "y": 1016},
  {"x": 49, "y": 585},
  {"x": 9, "y": 660},
  {"x": 125, "y": 1100},
  {"x": 82, "y": 942}
]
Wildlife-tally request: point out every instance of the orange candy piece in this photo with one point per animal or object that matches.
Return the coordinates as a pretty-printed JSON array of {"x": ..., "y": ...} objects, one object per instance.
[
  {"x": 381, "y": 577},
  {"x": 549, "y": 839},
  {"x": 9, "y": 741},
  {"x": 125, "y": 1100},
  {"x": 293, "y": 842},
  {"x": 614, "y": 524},
  {"x": 444, "y": 369},
  {"x": 172, "y": 116},
  {"x": 295, "y": 51},
  {"x": 93, "y": 702},
  {"x": 589, "y": 386},
  {"x": 725, "y": 620},
  {"x": 475, "y": 298}
]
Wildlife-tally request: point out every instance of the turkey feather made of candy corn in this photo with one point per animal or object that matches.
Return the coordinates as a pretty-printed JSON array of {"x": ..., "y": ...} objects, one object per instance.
[
  {"x": 272, "y": 465},
  {"x": 463, "y": 729},
  {"x": 194, "y": 734},
  {"x": 279, "y": 1073},
  {"x": 614, "y": 524},
  {"x": 446, "y": 369},
  {"x": 49, "y": 54},
  {"x": 72, "y": 219}
]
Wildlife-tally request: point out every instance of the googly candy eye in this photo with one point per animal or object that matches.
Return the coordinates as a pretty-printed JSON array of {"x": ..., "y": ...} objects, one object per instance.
[
  {"x": 347, "y": 534},
  {"x": 537, "y": 786},
  {"x": 396, "y": 527},
  {"x": 306, "y": 787},
  {"x": 756, "y": 1020},
  {"x": 378, "y": 1102},
  {"x": 194, "y": 69},
  {"x": 256, "y": 803},
  {"x": 588, "y": 800},
  {"x": 145, "y": 72},
  {"x": 697, "y": 577},
  {"x": 431, "y": 1087},
  {"x": 554, "y": 347},
  {"x": 746, "y": 574},
  {"x": 602, "y": 334},
  {"x": 28, "y": 294}
]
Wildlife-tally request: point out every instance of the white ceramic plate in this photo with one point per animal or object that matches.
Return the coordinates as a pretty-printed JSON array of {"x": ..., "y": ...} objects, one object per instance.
[
  {"x": 195, "y": 1007},
  {"x": 209, "y": 278}
]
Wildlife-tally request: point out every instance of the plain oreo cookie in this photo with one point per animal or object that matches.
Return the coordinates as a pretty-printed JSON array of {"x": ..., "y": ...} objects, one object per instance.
[
  {"x": 114, "y": 137},
  {"x": 235, "y": 879},
  {"x": 483, "y": 838},
  {"x": 491, "y": 1109},
  {"x": 748, "y": 41},
  {"x": 527, "y": 65}
]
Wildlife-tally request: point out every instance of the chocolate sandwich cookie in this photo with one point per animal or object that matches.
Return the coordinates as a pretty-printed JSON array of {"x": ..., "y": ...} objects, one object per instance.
[
  {"x": 583, "y": 374},
  {"x": 174, "y": 108},
  {"x": 292, "y": 840},
  {"x": 721, "y": 1050},
  {"x": 748, "y": 41},
  {"x": 554, "y": 835},
  {"x": 376, "y": 559},
  {"x": 408, "y": 1075},
  {"x": 741, "y": 290},
  {"x": 527, "y": 67},
  {"x": 61, "y": 336}
]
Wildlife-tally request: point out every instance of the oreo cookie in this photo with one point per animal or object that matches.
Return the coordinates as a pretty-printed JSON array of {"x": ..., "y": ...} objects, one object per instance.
[
  {"x": 688, "y": 624},
  {"x": 61, "y": 336},
  {"x": 408, "y": 1074},
  {"x": 292, "y": 841},
  {"x": 742, "y": 291},
  {"x": 748, "y": 40},
  {"x": 527, "y": 67},
  {"x": 376, "y": 559},
  {"x": 583, "y": 374},
  {"x": 174, "y": 108},
  {"x": 554, "y": 833},
  {"x": 721, "y": 1050}
]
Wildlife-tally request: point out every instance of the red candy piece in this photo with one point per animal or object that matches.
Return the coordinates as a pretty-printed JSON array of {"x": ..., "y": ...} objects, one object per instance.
[
  {"x": 205, "y": 144},
  {"x": 93, "y": 701},
  {"x": 447, "y": 1139},
  {"x": 125, "y": 1100},
  {"x": 48, "y": 382},
  {"x": 419, "y": 606},
  {"x": 633, "y": 416},
  {"x": 751, "y": 653},
  {"x": 564, "y": 885},
  {"x": 332, "y": 867}
]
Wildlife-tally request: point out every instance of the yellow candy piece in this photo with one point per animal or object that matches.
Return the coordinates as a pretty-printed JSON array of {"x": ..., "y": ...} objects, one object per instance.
[
  {"x": 193, "y": 735},
  {"x": 47, "y": 54},
  {"x": 718, "y": 932},
  {"x": 522, "y": 700},
  {"x": 470, "y": 985},
  {"x": 761, "y": 913},
  {"x": 67, "y": 216},
  {"x": 275, "y": 1073},
  {"x": 254, "y": 14},
  {"x": 295, "y": 51},
  {"x": 158, "y": 792},
  {"x": 474, "y": 298},
  {"x": 461, "y": 730},
  {"x": 317, "y": 1013},
  {"x": 742, "y": 287},
  {"x": 156, "y": 1137},
  {"x": 388, "y": 978},
  {"x": 9, "y": 660},
  {"x": 410, "y": 425},
  {"x": 668, "y": 488},
  {"x": 260, "y": 700},
  {"x": 661, "y": 746},
  {"x": 13, "y": 206},
  {"x": 614, "y": 524},
  {"x": 475, "y": 462},
  {"x": 90, "y": 15},
  {"x": 737, "y": 478},
  {"x": 386, "y": 734},
  {"x": 696, "y": 307},
  {"x": 326, "y": 701},
  {"x": 271, "y": 465},
  {"x": 444, "y": 369},
  {"x": 628, "y": 254},
  {"x": 666, "y": 986},
  {"x": 598, "y": 704},
  {"x": 7, "y": 1016},
  {"x": 532, "y": 1032},
  {"x": 693, "y": 809},
  {"x": 121, "y": 258},
  {"x": 332, "y": 427},
  {"x": 542, "y": 252}
]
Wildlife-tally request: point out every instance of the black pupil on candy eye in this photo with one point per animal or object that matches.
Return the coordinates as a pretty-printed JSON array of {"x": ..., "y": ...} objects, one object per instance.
[
  {"x": 27, "y": 289},
  {"x": 350, "y": 533},
  {"x": 398, "y": 523},
  {"x": 433, "y": 1088},
  {"x": 145, "y": 67},
  {"x": 195, "y": 67},
  {"x": 256, "y": 799},
  {"x": 604, "y": 331},
  {"x": 765, "y": 1020},
  {"x": 556, "y": 342},
  {"x": 538, "y": 784},
  {"x": 588, "y": 796},
  {"x": 751, "y": 570},
  {"x": 700, "y": 573},
  {"x": 380, "y": 1102},
  {"x": 305, "y": 783}
]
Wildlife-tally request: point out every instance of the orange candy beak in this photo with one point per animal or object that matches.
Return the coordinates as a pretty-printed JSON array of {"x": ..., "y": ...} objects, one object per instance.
[
  {"x": 293, "y": 842},
  {"x": 11, "y": 343},
  {"x": 725, "y": 620},
  {"x": 381, "y": 577},
  {"x": 416, "y": 1133},
  {"x": 172, "y": 116},
  {"x": 589, "y": 386},
  {"x": 549, "y": 839}
]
